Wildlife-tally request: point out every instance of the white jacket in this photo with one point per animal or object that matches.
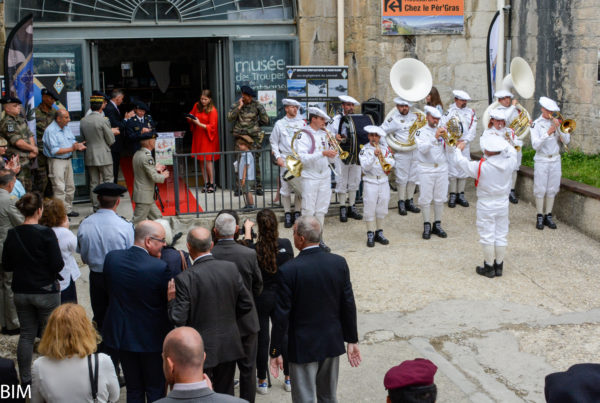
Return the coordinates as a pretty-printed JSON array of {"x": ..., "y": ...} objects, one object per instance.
[
  {"x": 546, "y": 147},
  {"x": 371, "y": 166}
]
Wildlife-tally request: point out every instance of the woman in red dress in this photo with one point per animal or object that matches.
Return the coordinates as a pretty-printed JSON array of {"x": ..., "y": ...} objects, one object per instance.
[{"x": 205, "y": 137}]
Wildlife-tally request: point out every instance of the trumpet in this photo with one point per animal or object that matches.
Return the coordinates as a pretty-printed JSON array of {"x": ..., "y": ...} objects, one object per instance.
[
  {"x": 566, "y": 125},
  {"x": 387, "y": 167},
  {"x": 335, "y": 145},
  {"x": 508, "y": 137}
]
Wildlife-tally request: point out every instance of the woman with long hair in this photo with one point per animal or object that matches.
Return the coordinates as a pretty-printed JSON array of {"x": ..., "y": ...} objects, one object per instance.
[
  {"x": 272, "y": 252},
  {"x": 31, "y": 252},
  {"x": 55, "y": 217},
  {"x": 205, "y": 132},
  {"x": 434, "y": 99},
  {"x": 62, "y": 373}
]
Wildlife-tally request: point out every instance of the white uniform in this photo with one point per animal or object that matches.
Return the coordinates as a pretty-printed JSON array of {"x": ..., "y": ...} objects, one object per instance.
[
  {"x": 511, "y": 114},
  {"x": 547, "y": 166},
  {"x": 433, "y": 167},
  {"x": 502, "y": 133},
  {"x": 280, "y": 139},
  {"x": 376, "y": 190},
  {"x": 493, "y": 175},
  {"x": 316, "y": 174},
  {"x": 468, "y": 119},
  {"x": 348, "y": 175},
  {"x": 406, "y": 162}
]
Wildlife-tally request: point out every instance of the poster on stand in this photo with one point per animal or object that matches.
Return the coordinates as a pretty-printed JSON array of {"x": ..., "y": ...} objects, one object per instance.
[
  {"x": 422, "y": 17},
  {"x": 164, "y": 148}
]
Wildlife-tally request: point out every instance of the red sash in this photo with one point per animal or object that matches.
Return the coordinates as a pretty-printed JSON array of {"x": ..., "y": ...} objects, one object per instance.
[{"x": 479, "y": 172}]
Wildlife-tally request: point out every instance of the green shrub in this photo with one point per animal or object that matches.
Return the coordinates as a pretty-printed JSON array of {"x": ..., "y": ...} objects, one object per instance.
[{"x": 576, "y": 166}]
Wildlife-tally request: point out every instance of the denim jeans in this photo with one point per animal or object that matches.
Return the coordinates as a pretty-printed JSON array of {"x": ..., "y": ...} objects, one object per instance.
[{"x": 33, "y": 311}]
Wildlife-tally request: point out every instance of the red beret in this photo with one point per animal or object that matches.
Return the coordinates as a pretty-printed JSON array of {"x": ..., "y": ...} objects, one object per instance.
[{"x": 410, "y": 373}]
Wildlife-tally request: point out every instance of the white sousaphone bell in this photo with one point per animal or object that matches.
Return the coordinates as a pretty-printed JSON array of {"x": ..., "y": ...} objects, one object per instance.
[{"x": 522, "y": 80}]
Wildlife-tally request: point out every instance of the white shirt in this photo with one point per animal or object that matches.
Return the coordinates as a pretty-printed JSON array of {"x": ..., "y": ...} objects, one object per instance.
[
  {"x": 281, "y": 136},
  {"x": 399, "y": 125},
  {"x": 371, "y": 166},
  {"x": 432, "y": 152},
  {"x": 510, "y": 112},
  {"x": 311, "y": 144},
  {"x": 247, "y": 160},
  {"x": 503, "y": 133},
  {"x": 67, "y": 242},
  {"x": 546, "y": 147},
  {"x": 467, "y": 118}
]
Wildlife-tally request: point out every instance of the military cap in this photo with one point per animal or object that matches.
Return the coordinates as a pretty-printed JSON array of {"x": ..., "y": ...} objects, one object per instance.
[
  {"x": 147, "y": 136},
  {"x": 100, "y": 93},
  {"x": 248, "y": 91},
  {"x": 109, "y": 189},
  {"x": 10, "y": 100},
  {"x": 141, "y": 105},
  {"x": 410, "y": 373},
  {"x": 97, "y": 99},
  {"x": 46, "y": 91}
]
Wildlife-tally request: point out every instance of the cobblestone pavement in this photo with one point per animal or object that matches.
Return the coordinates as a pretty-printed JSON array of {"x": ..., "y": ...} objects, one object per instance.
[{"x": 493, "y": 340}]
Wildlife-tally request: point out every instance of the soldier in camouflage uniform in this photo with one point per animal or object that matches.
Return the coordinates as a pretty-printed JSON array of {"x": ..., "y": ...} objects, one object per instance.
[
  {"x": 21, "y": 142},
  {"x": 44, "y": 116},
  {"x": 248, "y": 115}
]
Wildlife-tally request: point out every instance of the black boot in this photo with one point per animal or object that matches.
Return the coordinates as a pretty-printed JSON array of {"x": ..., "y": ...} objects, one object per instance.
[
  {"x": 512, "y": 197},
  {"x": 380, "y": 238},
  {"x": 353, "y": 213},
  {"x": 296, "y": 215},
  {"x": 287, "y": 221},
  {"x": 539, "y": 224},
  {"x": 370, "y": 239},
  {"x": 324, "y": 247},
  {"x": 259, "y": 191},
  {"x": 401, "y": 207},
  {"x": 426, "y": 230},
  {"x": 343, "y": 214},
  {"x": 452, "y": 200},
  {"x": 411, "y": 206},
  {"x": 461, "y": 200},
  {"x": 486, "y": 270},
  {"x": 549, "y": 222},
  {"x": 437, "y": 229},
  {"x": 498, "y": 268}
]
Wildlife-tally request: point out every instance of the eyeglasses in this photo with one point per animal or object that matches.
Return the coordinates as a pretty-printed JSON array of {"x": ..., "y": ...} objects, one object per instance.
[{"x": 158, "y": 239}]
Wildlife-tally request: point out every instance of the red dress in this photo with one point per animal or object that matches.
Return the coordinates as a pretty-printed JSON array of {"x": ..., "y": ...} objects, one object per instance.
[{"x": 205, "y": 140}]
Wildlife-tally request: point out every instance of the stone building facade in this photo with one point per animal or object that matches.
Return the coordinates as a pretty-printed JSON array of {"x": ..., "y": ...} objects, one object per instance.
[{"x": 559, "y": 39}]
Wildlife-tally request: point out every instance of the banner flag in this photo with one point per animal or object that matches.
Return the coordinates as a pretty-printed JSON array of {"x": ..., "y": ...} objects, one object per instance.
[{"x": 492, "y": 56}]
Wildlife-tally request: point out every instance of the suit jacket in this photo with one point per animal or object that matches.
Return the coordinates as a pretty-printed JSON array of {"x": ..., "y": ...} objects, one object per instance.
[
  {"x": 245, "y": 260},
  {"x": 8, "y": 376},
  {"x": 116, "y": 120},
  {"x": 9, "y": 217},
  {"x": 136, "y": 319},
  {"x": 315, "y": 297},
  {"x": 95, "y": 130},
  {"x": 199, "y": 395},
  {"x": 210, "y": 296},
  {"x": 144, "y": 176}
]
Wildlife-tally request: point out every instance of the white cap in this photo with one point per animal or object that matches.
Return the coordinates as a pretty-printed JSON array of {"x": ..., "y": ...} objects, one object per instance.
[
  {"x": 461, "y": 95},
  {"x": 498, "y": 114},
  {"x": 549, "y": 104},
  {"x": 400, "y": 101},
  {"x": 503, "y": 94},
  {"x": 291, "y": 102},
  {"x": 493, "y": 143},
  {"x": 348, "y": 99},
  {"x": 317, "y": 112},
  {"x": 433, "y": 111},
  {"x": 374, "y": 130}
]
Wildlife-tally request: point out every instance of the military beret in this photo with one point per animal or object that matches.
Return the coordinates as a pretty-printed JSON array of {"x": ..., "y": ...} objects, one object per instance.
[
  {"x": 109, "y": 189},
  {"x": 433, "y": 111},
  {"x": 371, "y": 129},
  {"x": 503, "y": 94},
  {"x": 141, "y": 105},
  {"x": 580, "y": 383},
  {"x": 248, "y": 91},
  {"x": 10, "y": 100},
  {"x": 147, "y": 136},
  {"x": 401, "y": 101},
  {"x": 460, "y": 94},
  {"x": 410, "y": 373},
  {"x": 498, "y": 114},
  {"x": 348, "y": 99},
  {"x": 46, "y": 91},
  {"x": 313, "y": 110},
  {"x": 290, "y": 102},
  {"x": 493, "y": 143},
  {"x": 549, "y": 104}
]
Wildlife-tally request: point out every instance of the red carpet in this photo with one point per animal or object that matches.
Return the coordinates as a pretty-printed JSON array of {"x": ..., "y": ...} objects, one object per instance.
[{"x": 166, "y": 190}]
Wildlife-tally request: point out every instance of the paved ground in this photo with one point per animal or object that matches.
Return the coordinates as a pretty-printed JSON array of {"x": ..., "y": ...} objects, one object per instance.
[{"x": 493, "y": 340}]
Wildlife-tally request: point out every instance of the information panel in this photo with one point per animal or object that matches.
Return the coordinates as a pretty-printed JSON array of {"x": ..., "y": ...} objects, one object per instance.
[{"x": 422, "y": 17}]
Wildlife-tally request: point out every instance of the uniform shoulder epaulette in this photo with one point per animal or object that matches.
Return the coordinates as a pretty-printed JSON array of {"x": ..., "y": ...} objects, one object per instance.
[{"x": 125, "y": 219}]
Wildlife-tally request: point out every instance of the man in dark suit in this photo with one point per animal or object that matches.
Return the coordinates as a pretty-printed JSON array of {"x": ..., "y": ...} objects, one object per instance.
[
  {"x": 245, "y": 260},
  {"x": 136, "y": 320},
  {"x": 111, "y": 111},
  {"x": 316, "y": 300},
  {"x": 183, "y": 361},
  {"x": 210, "y": 296}
]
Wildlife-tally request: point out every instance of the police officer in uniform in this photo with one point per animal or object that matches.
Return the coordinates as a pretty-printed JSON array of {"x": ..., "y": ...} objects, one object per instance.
[
  {"x": 468, "y": 121},
  {"x": 280, "y": 139},
  {"x": 146, "y": 174},
  {"x": 139, "y": 125},
  {"x": 348, "y": 179},
  {"x": 21, "y": 141},
  {"x": 45, "y": 114},
  {"x": 433, "y": 172},
  {"x": 376, "y": 189},
  {"x": 406, "y": 161},
  {"x": 248, "y": 115},
  {"x": 546, "y": 139}
]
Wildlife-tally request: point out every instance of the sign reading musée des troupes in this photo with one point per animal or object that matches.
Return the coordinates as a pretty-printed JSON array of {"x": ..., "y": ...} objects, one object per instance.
[{"x": 422, "y": 17}]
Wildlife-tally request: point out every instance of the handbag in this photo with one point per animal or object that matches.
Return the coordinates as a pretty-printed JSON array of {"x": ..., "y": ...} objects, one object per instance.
[
  {"x": 184, "y": 261},
  {"x": 93, "y": 376}
]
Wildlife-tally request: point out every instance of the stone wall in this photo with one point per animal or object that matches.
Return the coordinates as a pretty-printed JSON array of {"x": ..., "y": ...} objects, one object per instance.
[{"x": 561, "y": 47}]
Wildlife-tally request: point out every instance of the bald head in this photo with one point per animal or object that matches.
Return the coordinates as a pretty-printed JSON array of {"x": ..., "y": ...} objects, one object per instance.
[
  {"x": 185, "y": 348},
  {"x": 145, "y": 229},
  {"x": 199, "y": 241}
]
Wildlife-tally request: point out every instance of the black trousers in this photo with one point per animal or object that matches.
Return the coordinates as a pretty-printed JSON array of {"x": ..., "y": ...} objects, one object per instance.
[
  {"x": 99, "y": 301},
  {"x": 265, "y": 307},
  {"x": 247, "y": 367},
  {"x": 69, "y": 294},
  {"x": 144, "y": 376},
  {"x": 116, "y": 157},
  {"x": 221, "y": 377}
]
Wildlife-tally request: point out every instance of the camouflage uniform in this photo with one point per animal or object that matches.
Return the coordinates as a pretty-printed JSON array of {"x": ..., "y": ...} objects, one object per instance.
[
  {"x": 42, "y": 121},
  {"x": 248, "y": 121},
  {"x": 13, "y": 129}
]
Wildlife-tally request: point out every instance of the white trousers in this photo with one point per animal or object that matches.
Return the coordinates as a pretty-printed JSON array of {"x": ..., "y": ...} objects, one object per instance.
[
  {"x": 316, "y": 195},
  {"x": 454, "y": 171},
  {"x": 546, "y": 178},
  {"x": 434, "y": 187},
  {"x": 285, "y": 189},
  {"x": 492, "y": 221},
  {"x": 349, "y": 178},
  {"x": 60, "y": 173},
  {"x": 376, "y": 198},
  {"x": 406, "y": 167}
]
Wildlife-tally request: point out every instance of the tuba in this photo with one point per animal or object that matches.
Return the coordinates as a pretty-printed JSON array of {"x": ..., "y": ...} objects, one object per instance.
[
  {"x": 398, "y": 146},
  {"x": 293, "y": 167},
  {"x": 455, "y": 131}
]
